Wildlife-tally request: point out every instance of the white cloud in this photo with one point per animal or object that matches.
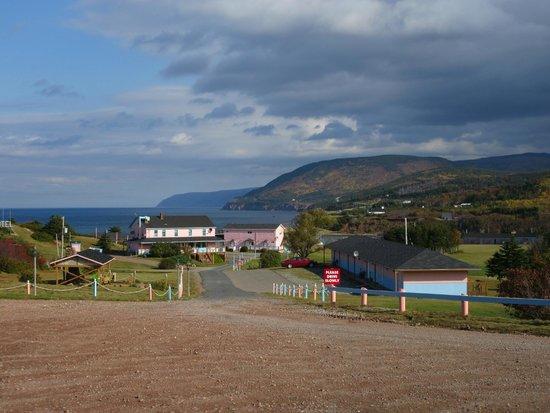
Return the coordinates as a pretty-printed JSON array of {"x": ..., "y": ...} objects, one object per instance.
[{"x": 181, "y": 139}]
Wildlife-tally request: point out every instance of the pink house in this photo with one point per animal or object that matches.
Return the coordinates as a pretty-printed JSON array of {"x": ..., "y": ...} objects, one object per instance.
[
  {"x": 195, "y": 233},
  {"x": 254, "y": 236}
]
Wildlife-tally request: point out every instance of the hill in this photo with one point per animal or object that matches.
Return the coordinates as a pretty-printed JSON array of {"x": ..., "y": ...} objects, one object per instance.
[
  {"x": 215, "y": 199},
  {"x": 335, "y": 181}
]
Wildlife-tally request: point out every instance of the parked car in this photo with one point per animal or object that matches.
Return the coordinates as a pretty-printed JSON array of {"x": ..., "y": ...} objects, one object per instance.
[{"x": 298, "y": 262}]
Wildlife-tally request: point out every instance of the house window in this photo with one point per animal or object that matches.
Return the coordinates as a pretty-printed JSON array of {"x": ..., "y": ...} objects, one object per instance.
[
  {"x": 190, "y": 232},
  {"x": 176, "y": 233},
  {"x": 163, "y": 232},
  {"x": 156, "y": 232},
  {"x": 203, "y": 232}
]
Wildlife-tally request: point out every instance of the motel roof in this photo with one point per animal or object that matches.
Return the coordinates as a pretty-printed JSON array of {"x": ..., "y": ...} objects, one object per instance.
[
  {"x": 178, "y": 221},
  {"x": 93, "y": 256},
  {"x": 252, "y": 226},
  {"x": 396, "y": 255}
]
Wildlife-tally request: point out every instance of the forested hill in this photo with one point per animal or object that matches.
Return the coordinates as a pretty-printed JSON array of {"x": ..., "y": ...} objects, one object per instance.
[
  {"x": 202, "y": 199},
  {"x": 328, "y": 182}
]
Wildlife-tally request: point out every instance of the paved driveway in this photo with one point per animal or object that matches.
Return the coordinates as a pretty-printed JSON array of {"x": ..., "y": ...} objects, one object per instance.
[{"x": 218, "y": 286}]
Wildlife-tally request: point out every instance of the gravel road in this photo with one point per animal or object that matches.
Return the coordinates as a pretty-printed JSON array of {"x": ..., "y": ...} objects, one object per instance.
[
  {"x": 254, "y": 354},
  {"x": 218, "y": 286}
]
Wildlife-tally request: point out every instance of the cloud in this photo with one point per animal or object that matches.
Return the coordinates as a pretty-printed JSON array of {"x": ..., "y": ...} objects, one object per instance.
[
  {"x": 181, "y": 139},
  {"x": 44, "y": 88},
  {"x": 333, "y": 130},
  {"x": 261, "y": 130},
  {"x": 228, "y": 110},
  {"x": 187, "y": 65}
]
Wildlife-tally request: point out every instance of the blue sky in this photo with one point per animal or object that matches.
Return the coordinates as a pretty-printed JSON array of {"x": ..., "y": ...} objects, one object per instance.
[{"x": 122, "y": 103}]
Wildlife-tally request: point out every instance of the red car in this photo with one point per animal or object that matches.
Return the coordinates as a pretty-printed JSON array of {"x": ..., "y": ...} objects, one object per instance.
[{"x": 297, "y": 263}]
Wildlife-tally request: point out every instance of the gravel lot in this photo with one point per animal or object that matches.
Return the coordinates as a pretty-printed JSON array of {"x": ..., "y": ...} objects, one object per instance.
[{"x": 254, "y": 354}]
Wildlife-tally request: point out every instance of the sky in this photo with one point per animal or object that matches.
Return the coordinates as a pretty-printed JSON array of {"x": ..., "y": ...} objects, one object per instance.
[{"x": 124, "y": 102}]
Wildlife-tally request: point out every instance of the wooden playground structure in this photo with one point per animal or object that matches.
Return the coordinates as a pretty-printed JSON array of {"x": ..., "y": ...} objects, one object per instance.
[{"x": 79, "y": 266}]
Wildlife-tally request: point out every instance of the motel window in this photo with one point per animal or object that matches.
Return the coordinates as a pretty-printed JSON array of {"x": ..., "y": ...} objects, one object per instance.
[
  {"x": 156, "y": 232},
  {"x": 176, "y": 233},
  {"x": 190, "y": 232},
  {"x": 163, "y": 232},
  {"x": 204, "y": 231}
]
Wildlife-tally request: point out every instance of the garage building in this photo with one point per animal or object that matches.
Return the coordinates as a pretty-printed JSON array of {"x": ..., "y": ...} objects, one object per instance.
[{"x": 395, "y": 265}]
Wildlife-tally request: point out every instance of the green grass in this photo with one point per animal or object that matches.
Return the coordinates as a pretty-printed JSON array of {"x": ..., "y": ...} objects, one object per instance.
[
  {"x": 86, "y": 293},
  {"x": 317, "y": 256},
  {"x": 475, "y": 254},
  {"x": 483, "y": 316}
]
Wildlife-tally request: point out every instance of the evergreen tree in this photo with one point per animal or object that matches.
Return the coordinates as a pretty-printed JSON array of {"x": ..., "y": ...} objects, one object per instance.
[{"x": 509, "y": 256}]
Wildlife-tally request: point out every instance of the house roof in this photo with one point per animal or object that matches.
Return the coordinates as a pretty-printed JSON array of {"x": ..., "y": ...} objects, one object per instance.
[
  {"x": 92, "y": 256},
  {"x": 252, "y": 226},
  {"x": 178, "y": 240},
  {"x": 396, "y": 255},
  {"x": 179, "y": 221}
]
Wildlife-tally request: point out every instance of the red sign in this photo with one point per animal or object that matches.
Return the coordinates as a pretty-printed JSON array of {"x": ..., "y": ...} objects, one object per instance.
[{"x": 331, "y": 276}]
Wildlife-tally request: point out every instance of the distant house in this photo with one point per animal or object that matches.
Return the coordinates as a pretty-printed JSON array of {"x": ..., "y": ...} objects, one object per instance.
[
  {"x": 254, "y": 236},
  {"x": 497, "y": 239},
  {"x": 195, "y": 233},
  {"x": 395, "y": 265}
]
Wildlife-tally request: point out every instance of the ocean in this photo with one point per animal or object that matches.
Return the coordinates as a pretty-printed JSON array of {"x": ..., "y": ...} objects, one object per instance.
[{"x": 87, "y": 220}]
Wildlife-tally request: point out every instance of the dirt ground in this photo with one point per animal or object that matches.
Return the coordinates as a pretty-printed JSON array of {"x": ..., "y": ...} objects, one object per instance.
[{"x": 254, "y": 354}]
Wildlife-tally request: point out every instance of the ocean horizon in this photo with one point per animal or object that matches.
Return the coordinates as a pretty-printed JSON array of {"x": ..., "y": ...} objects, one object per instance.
[{"x": 88, "y": 220}]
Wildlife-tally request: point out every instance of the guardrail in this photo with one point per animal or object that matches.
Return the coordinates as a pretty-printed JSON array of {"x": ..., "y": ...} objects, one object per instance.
[{"x": 303, "y": 291}]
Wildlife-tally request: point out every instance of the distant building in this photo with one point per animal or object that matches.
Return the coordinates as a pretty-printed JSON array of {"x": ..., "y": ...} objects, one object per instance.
[
  {"x": 395, "y": 265},
  {"x": 195, "y": 233},
  {"x": 447, "y": 216},
  {"x": 497, "y": 239},
  {"x": 254, "y": 236}
]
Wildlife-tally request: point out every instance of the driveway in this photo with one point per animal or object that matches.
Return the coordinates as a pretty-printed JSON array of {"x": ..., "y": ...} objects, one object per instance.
[{"x": 218, "y": 286}]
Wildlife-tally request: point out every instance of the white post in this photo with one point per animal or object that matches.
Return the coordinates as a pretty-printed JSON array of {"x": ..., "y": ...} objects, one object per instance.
[
  {"x": 34, "y": 269},
  {"x": 406, "y": 233},
  {"x": 62, "y": 236}
]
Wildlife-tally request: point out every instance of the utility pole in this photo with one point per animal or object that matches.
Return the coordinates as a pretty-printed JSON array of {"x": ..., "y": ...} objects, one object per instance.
[
  {"x": 406, "y": 233},
  {"x": 62, "y": 237}
]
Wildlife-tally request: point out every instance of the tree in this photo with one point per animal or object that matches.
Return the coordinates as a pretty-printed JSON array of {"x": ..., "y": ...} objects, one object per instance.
[
  {"x": 270, "y": 258},
  {"x": 528, "y": 283},
  {"x": 54, "y": 225},
  {"x": 115, "y": 229},
  {"x": 105, "y": 243},
  {"x": 436, "y": 235},
  {"x": 303, "y": 235},
  {"x": 509, "y": 256}
]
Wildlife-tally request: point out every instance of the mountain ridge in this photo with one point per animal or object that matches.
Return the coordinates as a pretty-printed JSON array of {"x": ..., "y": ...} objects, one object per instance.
[
  {"x": 202, "y": 199},
  {"x": 323, "y": 182}
]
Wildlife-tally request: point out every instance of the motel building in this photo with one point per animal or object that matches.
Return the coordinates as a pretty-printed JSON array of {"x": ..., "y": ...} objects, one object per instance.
[
  {"x": 194, "y": 233},
  {"x": 395, "y": 265},
  {"x": 254, "y": 236}
]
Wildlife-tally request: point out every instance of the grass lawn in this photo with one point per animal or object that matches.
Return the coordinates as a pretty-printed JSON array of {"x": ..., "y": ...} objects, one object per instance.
[
  {"x": 317, "y": 256},
  {"x": 478, "y": 254},
  {"x": 483, "y": 316}
]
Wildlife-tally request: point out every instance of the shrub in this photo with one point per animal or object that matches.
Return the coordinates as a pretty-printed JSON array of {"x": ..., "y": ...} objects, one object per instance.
[
  {"x": 252, "y": 264},
  {"x": 528, "y": 283},
  {"x": 164, "y": 250},
  {"x": 171, "y": 263},
  {"x": 34, "y": 226},
  {"x": 244, "y": 248},
  {"x": 269, "y": 259},
  {"x": 42, "y": 236},
  {"x": 159, "y": 285},
  {"x": 29, "y": 276}
]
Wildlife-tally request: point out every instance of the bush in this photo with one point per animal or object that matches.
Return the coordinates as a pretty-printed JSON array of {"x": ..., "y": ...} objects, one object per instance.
[
  {"x": 269, "y": 259},
  {"x": 164, "y": 250},
  {"x": 13, "y": 266},
  {"x": 42, "y": 236},
  {"x": 34, "y": 226},
  {"x": 171, "y": 263},
  {"x": 244, "y": 248},
  {"x": 527, "y": 283},
  {"x": 252, "y": 264},
  {"x": 29, "y": 276}
]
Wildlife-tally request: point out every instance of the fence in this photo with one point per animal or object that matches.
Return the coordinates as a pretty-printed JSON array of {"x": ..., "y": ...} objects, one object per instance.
[
  {"x": 303, "y": 291},
  {"x": 95, "y": 287}
]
